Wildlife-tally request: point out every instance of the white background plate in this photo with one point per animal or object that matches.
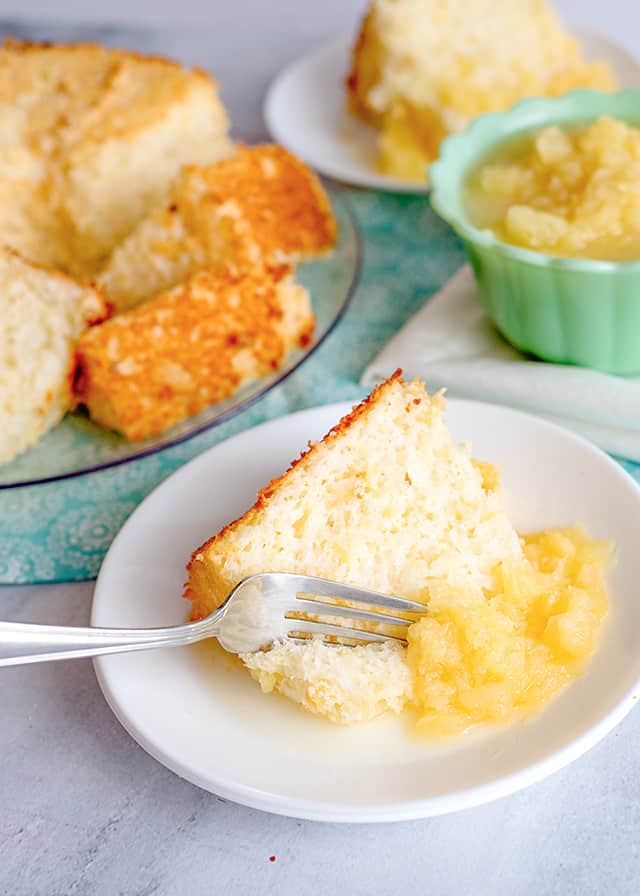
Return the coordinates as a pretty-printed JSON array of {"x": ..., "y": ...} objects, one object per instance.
[
  {"x": 205, "y": 719},
  {"x": 305, "y": 110}
]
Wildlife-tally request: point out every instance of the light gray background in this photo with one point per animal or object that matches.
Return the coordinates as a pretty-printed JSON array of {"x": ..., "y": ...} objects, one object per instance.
[
  {"x": 615, "y": 17},
  {"x": 83, "y": 810}
]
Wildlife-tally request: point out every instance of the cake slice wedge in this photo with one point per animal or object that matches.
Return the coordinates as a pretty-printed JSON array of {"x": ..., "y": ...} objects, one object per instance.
[
  {"x": 423, "y": 69},
  {"x": 387, "y": 500},
  {"x": 259, "y": 206},
  {"x": 42, "y": 313},
  {"x": 148, "y": 368}
]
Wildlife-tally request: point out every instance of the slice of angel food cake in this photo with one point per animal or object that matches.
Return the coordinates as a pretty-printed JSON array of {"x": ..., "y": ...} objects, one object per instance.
[
  {"x": 147, "y": 369},
  {"x": 424, "y": 69},
  {"x": 260, "y": 205},
  {"x": 389, "y": 501},
  {"x": 42, "y": 314}
]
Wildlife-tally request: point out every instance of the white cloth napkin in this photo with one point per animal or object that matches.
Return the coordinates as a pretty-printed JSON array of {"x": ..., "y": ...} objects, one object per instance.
[{"x": 451, "y": 343}]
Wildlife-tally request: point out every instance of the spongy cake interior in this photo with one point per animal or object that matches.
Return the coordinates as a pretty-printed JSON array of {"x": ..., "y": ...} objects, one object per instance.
[
  {"x": 42, "y": 313},
  {"x": 260, "y": 205},
  {"x": 388, "y": 501},
  {"x": 92, "y": 138}
]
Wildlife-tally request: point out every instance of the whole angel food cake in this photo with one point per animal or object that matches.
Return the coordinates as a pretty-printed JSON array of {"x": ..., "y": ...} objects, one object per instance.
[
  {"x": 389, "y": 501},
  {"x": 119, "y": 185},
  {"x": 422, "y": 69}
]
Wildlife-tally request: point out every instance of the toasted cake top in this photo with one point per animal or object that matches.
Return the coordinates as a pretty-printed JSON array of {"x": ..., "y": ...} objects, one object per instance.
[
  {"x": 148, "y": 368},
  {"x": 259, "y": 205},
  {"x": 278, "y": 196}
]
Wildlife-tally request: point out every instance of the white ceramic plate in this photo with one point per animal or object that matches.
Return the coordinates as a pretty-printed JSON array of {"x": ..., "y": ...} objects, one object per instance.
[
  {"x": 204, "y": 718},
  {"x": 305, "y": 110}
]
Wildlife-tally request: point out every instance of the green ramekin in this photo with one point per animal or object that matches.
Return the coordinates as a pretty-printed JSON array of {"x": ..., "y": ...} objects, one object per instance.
[{"x": 566, "y": 310}]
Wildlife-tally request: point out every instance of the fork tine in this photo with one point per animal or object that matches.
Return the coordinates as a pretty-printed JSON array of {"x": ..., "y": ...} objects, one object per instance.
[
  {"x": 341, "y": 631},
  {"x": 304, "y": 605},
  {"x": 325, "y": 588}
]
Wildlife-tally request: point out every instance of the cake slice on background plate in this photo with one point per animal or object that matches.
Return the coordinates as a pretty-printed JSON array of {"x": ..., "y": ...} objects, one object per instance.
[
  {"x": 422, "y": 69},
  {"x": 42, "y": 313},
  {"x": 258, "y": 206}
]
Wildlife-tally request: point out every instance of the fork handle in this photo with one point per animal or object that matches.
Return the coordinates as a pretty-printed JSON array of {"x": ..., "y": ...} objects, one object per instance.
[{"x": 25, "y": 642}]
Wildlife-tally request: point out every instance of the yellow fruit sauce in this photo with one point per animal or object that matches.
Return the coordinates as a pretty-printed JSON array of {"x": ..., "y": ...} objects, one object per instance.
[
  {"x": 409, "y": 141},
  {"x": 565, "y": 192},
  {"x": 483, "y": 656}
]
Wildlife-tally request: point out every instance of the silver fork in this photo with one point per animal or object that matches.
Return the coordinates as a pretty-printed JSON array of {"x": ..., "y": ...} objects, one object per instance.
[{"x": 260, "y": 610}]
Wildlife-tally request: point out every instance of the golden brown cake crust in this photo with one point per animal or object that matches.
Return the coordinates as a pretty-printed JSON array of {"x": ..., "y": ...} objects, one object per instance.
[
  {"x": 365, "y": 71},
  {"x": 193, "y": 346},
  {"x": 261, "y": 205},
  {"x": 199, "y": 588},
  {"x": 281, "y": 200}
]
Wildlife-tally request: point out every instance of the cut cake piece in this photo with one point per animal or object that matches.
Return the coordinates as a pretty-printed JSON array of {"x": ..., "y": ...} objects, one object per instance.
[
  {"x": 388, "y": 501},
  {"x": 98, "y": 136},
  {"x": 261, "y": 205},
  {"x": 29, "y": 227},
  {"x": 422, "y": 69},
  {"x": 190, "y": 347},
  {"x": 42, "y": 313}
]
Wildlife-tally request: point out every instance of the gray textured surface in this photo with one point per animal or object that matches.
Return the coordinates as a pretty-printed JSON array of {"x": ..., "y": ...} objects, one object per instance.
[{"x": 83, "y": 810}]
